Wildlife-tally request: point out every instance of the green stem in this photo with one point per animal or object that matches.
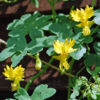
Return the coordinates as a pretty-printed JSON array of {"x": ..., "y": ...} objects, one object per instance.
[
  {"x": 52, "y": 66},
  {"x": 69, "y": 79},
  {"x": 80, "y": 97},
  {"x": 94, "y": 30},
  {"x": 43, "y": 71},
  {"x": 37, "y": 75},
  {"x": 93, "y": 3},
  {"x": 90, "y": 78},
  {"x": 52, "y": 4},
  {"x": 80, "y": 71},
  {"x": 72, "y": 8},
  {"x": 88, "y": 48}
]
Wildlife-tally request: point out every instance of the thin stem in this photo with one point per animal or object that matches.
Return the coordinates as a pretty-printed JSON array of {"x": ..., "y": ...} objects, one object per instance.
[
  {"x": 3, "y": 42},
  {"x": 93, "y": 3},
  {"x": 72, "y": 8},
  {"x": 70, "y": 80},
  {"x": 52, "y": 66},
  {"x": 90, "y": 78},
  {"x": 80, "y": 97},
  {"x": 52, "y": 4},
  {"x": 80, "y": 71},
  {"x": 94, "y": 30},
  {"x": 37, "y": 75}
]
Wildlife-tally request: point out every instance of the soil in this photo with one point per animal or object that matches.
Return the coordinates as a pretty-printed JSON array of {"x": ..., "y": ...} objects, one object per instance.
[{"x": 26, "y": 6}]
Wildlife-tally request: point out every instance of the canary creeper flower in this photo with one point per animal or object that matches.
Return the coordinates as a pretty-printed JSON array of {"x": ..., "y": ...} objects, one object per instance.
[
  {"x": 63, "y": 49},
  {"x": 63, "y": 61},
  {"x": 83, "y": 17},
  {"x": 14, "y": 74}
]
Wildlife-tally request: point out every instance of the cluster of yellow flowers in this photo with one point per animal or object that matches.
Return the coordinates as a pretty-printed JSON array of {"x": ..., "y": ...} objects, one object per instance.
[
  {"x": 63, "y": 49},
  {"x": 83, "y": 16},
  {"x": 16, "y": 75}
]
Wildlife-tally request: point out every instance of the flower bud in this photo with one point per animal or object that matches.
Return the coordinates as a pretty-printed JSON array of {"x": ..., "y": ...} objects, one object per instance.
[{"x": 38, "y": 64}]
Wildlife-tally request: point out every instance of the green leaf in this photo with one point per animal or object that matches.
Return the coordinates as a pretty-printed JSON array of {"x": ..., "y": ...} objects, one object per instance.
[
  {"x": 37, "y": 22},
  {"x": 97, "y": 20},
  {"x": 42, "y": 92},
  {"x": 35, "y": 50},
  {"x": 17, "y": 57},
  {"x": 25, "y": 17},
  {"x": 36, "y": 3},
  {"x": 42, "y": 42},
  {"x": 22, "y": 94},
  {"x": 86, "y": 40},
  {"x": 36, "y": 33},
  {"x": 50, "y": 51},
  {"x": 93, "y": 72},
  {"x": 12, "y": 24},
  {"x": 28, "y": 21},
  {"x": 36, "y": 14},
  {"x": 96, "y": 12},
  {"x": 61, "y": 30},
  {"x": 18, "y": 42},
  {"x": 78, "y": 84},
  {"x": 79, "y": 38},
  {"x": 19, "y": 31},
  {"x": 49, "y": 41},
  {"x": 18, "y": 22},
  {"x": 35, "y": 46},
  {"x": 97, "y": 47},
  {"x": 79, "y": 53},
  {"x": 38, "y": 42},
  {"x": 8, "y": 52},
  {"x": 90, "y": 61}
]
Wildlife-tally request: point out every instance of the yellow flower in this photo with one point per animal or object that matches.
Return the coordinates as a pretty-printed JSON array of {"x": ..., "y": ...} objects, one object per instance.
[
  {"x": 86, "y": 27},
  {"x": 63, "y": 49},
  {"x": 83, "y": 17},
  {"x": 16, "y": 75},
  {"x": 9, "y": 73},
  {"x": 75, "y": 15},
  {"x": 19, "y": 73},
  {"x": 68, "y": 46},
  {"x": 63, "y": 61}
]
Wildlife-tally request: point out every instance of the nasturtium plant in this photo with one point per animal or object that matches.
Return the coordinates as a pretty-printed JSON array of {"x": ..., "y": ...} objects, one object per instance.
[{"x": 71, "y": 40}]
